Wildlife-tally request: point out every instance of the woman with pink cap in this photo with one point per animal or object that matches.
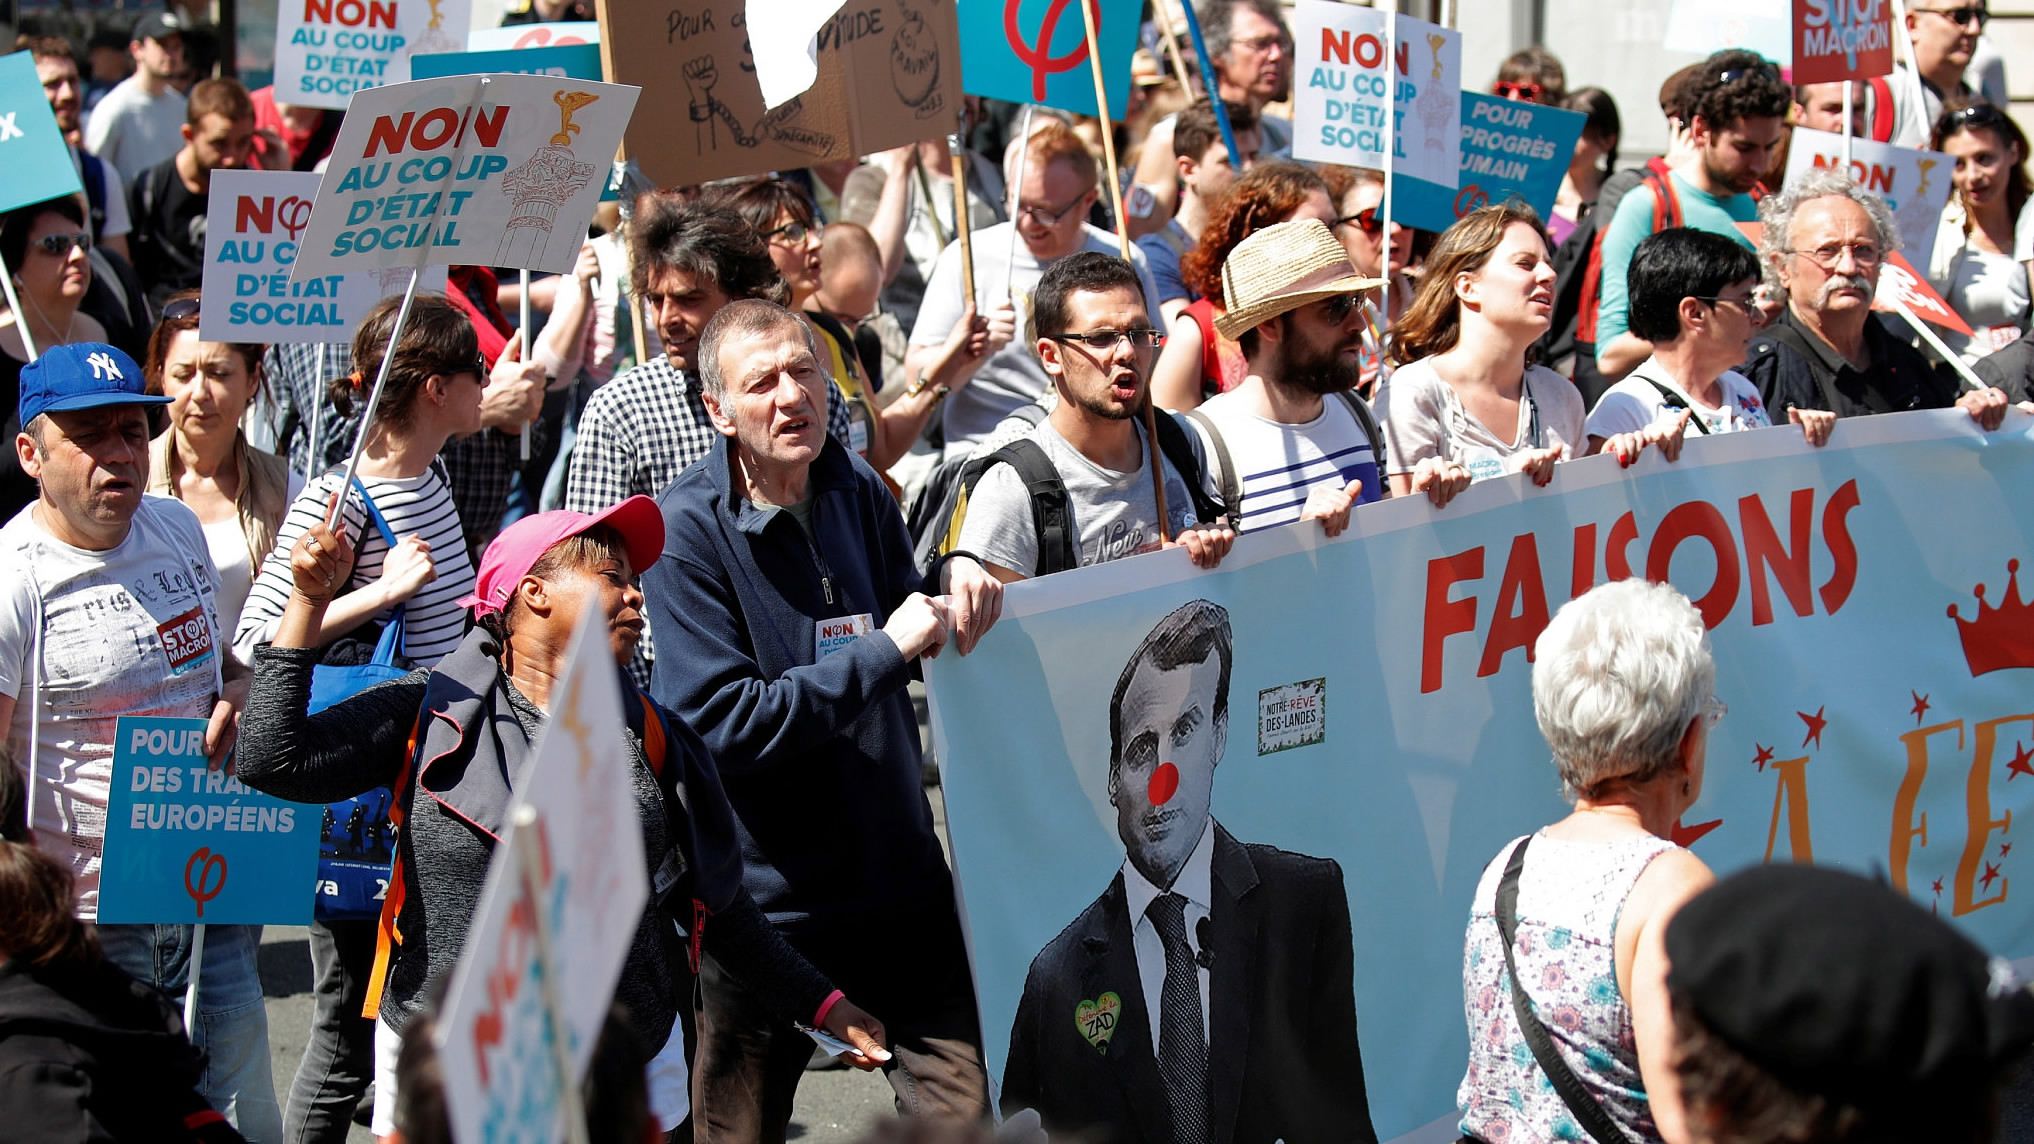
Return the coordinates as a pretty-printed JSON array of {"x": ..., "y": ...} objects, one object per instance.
[{"x": 450, "y": 742}]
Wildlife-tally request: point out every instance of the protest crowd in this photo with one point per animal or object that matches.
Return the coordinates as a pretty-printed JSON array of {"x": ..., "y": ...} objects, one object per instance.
[{"x": 787, "y": 435}]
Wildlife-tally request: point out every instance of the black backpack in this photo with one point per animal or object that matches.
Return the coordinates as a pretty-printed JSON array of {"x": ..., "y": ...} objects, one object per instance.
[{"x": 1051, "y": 509}]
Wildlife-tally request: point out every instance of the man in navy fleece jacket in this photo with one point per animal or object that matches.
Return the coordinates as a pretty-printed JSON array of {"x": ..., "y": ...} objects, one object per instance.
[{"x": 797, "y": 616}]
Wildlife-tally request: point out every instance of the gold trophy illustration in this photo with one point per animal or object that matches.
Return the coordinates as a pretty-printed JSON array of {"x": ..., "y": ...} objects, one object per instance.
[{"x": 1434, "y": 103}]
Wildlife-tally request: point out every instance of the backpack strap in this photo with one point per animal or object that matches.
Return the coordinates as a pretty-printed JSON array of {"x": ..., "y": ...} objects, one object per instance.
[
  {"x": 1666, "y": 203},
  {"x": 1176, "y": 446},
  {"x": 1587, "y": 1112},
  {"x": 1366, "y": 418},
  {"x": 387, "y": 935},
  {"x": 95, "y": 191},
  {"x": 1226, "y": 481},
  {"x": 1051, "y": 509}
]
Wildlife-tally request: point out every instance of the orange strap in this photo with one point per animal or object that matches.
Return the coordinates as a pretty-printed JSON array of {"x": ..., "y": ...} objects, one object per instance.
[{"x": 386, "y": 935}]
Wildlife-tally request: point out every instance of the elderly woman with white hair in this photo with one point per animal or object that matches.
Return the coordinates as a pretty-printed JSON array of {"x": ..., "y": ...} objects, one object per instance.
[{"x": 1564, "y": 969}]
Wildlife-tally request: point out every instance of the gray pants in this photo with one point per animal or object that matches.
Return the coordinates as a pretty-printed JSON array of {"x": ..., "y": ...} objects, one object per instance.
[{"x": 339, "y": 1057}]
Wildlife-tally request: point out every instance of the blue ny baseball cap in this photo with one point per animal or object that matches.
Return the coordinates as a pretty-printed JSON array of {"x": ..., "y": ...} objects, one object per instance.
[{"x": 86, "y": 375}]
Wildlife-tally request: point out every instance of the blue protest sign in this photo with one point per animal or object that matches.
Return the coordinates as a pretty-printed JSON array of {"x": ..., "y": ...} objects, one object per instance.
[
  {"x": 188, "y": 843},
  {"x": 562, "y": 61},
  {"x": 1509, "y": 150},
  {"x": 1036, "y": 51},
  {"x": 35, "y": 165}
]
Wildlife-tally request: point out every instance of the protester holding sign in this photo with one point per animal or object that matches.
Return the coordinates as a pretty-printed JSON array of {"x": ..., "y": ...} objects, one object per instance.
[
  {"x": 44, "y": 247},
  {"x": 484, "y": 706},
  {"x": 203, "y": 458},
  {"x": 95, "y": 565},
  {"x": 1972, "y": 264}
]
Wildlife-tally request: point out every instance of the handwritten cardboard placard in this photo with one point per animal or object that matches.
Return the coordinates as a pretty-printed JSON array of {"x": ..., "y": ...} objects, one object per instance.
[
  {"x": 1341, "y": 88},
  {"x": 253, "y": 222},
  {"x": 889, "y": 74},
  {"x": 35, "y": 165},
  {"x": 1036, "y": 51},
  {"x": 187, "y": 842},
  {"x": 499, "y": 170},
  {"x": 1915, "y": 184},
  {"x": 1510, "y": 149},
  {"x": 326, "y": 50},
  {"x": 1842, "y": 39}
]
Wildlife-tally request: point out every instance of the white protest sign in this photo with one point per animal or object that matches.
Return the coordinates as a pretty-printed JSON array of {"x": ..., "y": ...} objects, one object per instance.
[
  {"x": 567, "y": 937},
  {"x": 559, "y": 33},
  {"x": 252, "y": 225},
  {"x": 1915, "y": 184},
  {"x": 327, "y": 50},
  {"x": 787, "y": 61},
  {"x": 495, "y": 170},
  {"x": 1340, "y": 85}
]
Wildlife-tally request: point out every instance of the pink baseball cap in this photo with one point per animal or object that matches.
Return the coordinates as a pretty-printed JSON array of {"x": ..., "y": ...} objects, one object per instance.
[{"x": 509, "y": 558}]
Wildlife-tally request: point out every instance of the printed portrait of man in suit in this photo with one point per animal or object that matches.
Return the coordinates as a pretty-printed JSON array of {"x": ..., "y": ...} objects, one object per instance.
[{"x": 1207, "y": 995}]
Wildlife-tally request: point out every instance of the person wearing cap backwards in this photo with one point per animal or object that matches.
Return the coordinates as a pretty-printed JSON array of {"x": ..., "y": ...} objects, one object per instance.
[
  {"x": 1295, "y": 309},
  {"x": 794, "y": 614},
  {"x": 1570, "y": 934},
  {"x": 141, "y": 121},
  {"x": 108, "y": 609},
  {"x": 475, "y": 716},
  {"x": 1812, "y": 1006}
]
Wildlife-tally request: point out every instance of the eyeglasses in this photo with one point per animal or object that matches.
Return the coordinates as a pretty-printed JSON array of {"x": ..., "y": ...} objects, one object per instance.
[
  {"x": 1104, "y": 341},
  {"x": 181, "y": 310},
  {"x": 1526, "y": 90},
  {"x": 1829, "y": 254},
  {"x": 1365, "y": 220},
  {"x": 1046, "y": 216},
  {"x": 59, "y": 245},
  {"x": 1748, "y": 305},
  {"x": 795, "y": 233},
  {"x": 1963, "y": 17},
  {"x": 1259, "y": 43}
]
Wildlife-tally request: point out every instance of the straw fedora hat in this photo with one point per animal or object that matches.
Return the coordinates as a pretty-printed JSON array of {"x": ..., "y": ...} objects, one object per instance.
[{"x": 1281, "y": 268}]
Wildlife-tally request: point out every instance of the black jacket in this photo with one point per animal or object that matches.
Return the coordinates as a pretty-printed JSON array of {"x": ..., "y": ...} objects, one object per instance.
[
  {"x": 89, "y": 1054},
  {"x": 1794, "y": 368},
  {"x": 1283, "y": 1062},
  {"x": 2011, "y": 368}
]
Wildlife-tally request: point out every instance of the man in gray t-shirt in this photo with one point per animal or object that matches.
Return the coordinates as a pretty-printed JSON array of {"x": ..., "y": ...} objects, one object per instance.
[
  {"x": 1094, "y": 339},
  {"x": 1058, "y": 190}
]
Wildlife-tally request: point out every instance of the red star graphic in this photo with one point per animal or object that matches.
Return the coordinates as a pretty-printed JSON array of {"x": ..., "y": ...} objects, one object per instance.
[
  {"x": 1764, "y": 756},
  {"x": 2022, "y": 764},
  {"x": 1815, "y": 725},
  {"x": 1991, "y": 875},
  {"x": 1938, "y": 887},
  {"x": 1686, "y": 836},
  {"x": 2005, "y": 848},
  {"x": 1920, "y": 707}
]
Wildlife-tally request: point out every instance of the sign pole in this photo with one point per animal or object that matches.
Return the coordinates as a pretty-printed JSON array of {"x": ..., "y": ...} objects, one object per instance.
[
  {"x": 318, "y": 399},
  {"x": 957, "y": 154},
  {"x": 1213, "y": 85},
  {"x": 191, "y": 989},
  {"x": 1971, "y": 381},
  {"x": 395, "y": 337},
  {"x": 1172, "y": 48},
  {"x": 554, "y": 1015},
  {"x": 1846, "y": 123},
  {"x": 1390, "y": 145},
  {"x": 14, "y": 306},
  {"x": 1913, "y": 68},
  {"x": 529, "y": 349},
  {"x": 1016, "y": 192}
]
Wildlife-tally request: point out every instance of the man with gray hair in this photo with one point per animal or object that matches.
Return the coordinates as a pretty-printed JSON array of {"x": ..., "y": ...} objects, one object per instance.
[
  {"x": 787, "y": 579},
  {"x": 1825, "y": 240}
]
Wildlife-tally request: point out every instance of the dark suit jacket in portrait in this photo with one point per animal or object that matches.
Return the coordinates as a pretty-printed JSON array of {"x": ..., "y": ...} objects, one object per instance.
[{"x": 1283, "y": 1062}]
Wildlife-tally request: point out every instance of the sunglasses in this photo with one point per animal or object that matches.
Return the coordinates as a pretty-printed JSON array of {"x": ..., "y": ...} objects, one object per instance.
[
  {"x": 1732, "y": 75},
  {"x": 1963, "y": 17},
  {"x": 181, "y": 310},
  {"x": 59, "y": 245},
  {"x": 1365, "y": 220},
  {"x": 1526, "y": 90},
  {"x": 1977, "y": 115}
]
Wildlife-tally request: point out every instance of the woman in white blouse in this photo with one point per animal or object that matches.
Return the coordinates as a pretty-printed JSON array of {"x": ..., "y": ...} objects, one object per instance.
[
  {"x": 1973, "y": 265},
  {"x": 203, "y": 458}
]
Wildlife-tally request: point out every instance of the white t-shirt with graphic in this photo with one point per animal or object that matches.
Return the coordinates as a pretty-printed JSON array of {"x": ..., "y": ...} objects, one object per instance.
[
  {"x": 133, "y": 630},
  {"x": 1635, "y": 402}
]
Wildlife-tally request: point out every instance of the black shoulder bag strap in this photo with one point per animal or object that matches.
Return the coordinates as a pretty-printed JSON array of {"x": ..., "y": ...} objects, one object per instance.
[
  {"x": 1225, "y": 469},
  {"x": 1367, "y": 419},
  {"x": 1588, "y": 1113},
  {"x": 1051, "y": 511},
  {"x": 1177, "y": 450},
  {"x": 1674, "y": 401}
]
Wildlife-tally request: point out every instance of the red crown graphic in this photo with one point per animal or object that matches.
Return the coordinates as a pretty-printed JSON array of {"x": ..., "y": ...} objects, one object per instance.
[{"x": 2000, "y": 637}]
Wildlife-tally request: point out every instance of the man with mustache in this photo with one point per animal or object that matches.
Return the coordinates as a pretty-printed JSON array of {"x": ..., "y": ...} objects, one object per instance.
[
  {"x": 1094, "y": 337},
  {"x": 1826, "y": 238},
  {"x": 1293, "y": 441}
]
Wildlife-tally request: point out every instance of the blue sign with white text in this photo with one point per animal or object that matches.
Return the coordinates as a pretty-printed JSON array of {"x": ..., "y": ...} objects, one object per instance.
[
  {"x": 35, "y": 163},
  {"x": 1510, "y": 150},
  {"x": 1036, "y": 51},
  {"x": 187, "y": 842}
]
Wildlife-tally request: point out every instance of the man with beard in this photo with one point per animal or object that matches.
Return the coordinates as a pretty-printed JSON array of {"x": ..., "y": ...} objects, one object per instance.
[
  {"x": 105, "y": 191},
  {"x": 1737, "y": 110},
  {"x": 1826, "y": 238},
  {"x": 1094, "y": 338},
  {"x": 1280, "y": 449}
]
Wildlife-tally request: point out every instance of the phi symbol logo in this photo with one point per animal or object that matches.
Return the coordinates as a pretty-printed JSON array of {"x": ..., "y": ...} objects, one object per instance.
[
  {"x": 8, "y": 129},
  {"x": 103, "y": 366}
]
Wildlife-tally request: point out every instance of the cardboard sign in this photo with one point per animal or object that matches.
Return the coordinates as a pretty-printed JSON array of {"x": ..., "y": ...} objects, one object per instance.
[
  {"x": 1510, "y": 150},
  {"x": 559, "y": 61},
  {"x": 35, "y": 164},
  {"x": 1842, "y": 39},
  {"x": 1036, "y": 51},
  {"x": 496, "y": 1038},
  {"x": 889, "y": 74},
  {"x": 1915, "y": 184},
  {"x": 1700, "y": 27},
  {"x": 326, "y": 50},
  {"x": 500, "y": 170},
  {"x": 252, "y": 224},
  {"x": 557, "y": 33},
  {"x": 187, "y": 843},
  {"x": 1340, "y": 84}
]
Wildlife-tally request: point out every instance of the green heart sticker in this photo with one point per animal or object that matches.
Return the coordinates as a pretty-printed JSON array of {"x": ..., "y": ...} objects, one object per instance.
[{"x": 1097, "y": 1019}]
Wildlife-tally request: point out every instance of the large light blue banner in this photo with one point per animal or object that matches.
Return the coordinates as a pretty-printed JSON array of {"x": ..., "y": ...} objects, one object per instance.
[{"x": 1371, "y": 746}]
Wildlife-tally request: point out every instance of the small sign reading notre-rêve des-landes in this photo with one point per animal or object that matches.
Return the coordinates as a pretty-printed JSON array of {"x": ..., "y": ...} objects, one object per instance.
[{"x": 1292, "y": 715}]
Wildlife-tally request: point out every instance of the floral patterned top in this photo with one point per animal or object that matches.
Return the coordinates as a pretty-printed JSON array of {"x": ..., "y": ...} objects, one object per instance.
[{"x": 1569, "y": 898}]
